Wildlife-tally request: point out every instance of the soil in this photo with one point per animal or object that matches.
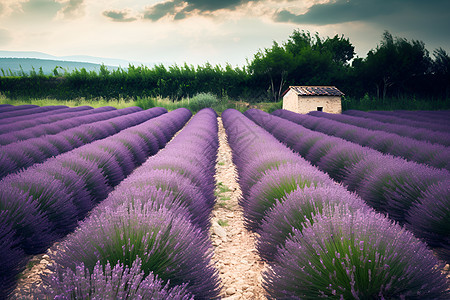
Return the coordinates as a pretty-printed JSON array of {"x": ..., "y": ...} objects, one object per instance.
[{"x": 235, "y": 254}]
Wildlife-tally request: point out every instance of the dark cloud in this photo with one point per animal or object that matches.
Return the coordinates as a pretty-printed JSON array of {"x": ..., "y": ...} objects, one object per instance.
[
  {"x": 118, "y": 15},
  {"x": 179, "y": 9},
  {"x": 341, "y": 11},
  {"x": 162, "y": 9}
]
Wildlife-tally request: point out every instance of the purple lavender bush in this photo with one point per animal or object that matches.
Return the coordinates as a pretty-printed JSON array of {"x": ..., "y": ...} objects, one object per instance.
[
  {"x": 51, "y": 196},
  {"x": 12, "y": 259},
  {"x": 182, "y": 187},
  {"x": 394, "y": 188},
  {"x": 74, "y": 182},
  {"x": 359, "y": 255},
  {"x": 31, "y": 226},
  {"x": 106, "y": 282},
  {"x": 297, "y": 208},
  {"x": 275, "y": 185},
  {"x": 428, "y": 218},
  {"x": 168, "y": 246}
]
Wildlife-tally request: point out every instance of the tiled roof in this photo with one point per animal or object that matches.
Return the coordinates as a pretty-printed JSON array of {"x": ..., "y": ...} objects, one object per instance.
[{"x": 315, "y": 91}]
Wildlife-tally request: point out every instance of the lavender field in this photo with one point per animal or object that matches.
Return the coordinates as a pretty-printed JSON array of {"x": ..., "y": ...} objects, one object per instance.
[{"x": 121, "y": 201}]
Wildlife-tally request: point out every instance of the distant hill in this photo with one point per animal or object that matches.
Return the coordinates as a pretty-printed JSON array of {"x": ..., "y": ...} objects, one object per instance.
[
  {"x": 17, "y": 65},
  {"x": 78, "y": 58}
]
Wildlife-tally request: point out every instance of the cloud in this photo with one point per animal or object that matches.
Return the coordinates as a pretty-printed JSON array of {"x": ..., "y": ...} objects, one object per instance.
[
  {"x": 342, "y": 11},
  {"x": 119, "y": 15},
  {"x": 39, "y": 9},
  {"x": 179, "y": 9},
  {"x": 71, "y": 9}
]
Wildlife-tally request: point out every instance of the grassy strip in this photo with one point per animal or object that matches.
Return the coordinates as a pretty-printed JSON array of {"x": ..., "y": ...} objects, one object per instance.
[{"x": 194, "y": 104}]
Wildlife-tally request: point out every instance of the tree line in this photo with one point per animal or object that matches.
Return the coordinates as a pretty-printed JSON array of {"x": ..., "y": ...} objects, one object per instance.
[{"x": 396, "y": 69}]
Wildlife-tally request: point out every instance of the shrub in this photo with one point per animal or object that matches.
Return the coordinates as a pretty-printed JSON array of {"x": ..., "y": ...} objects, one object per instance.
[
  {"x": 295, "y": 209},
  {"x": 429, "y": 217},
  {"x": 168, "y": 246},
  {"x": 354, "y": 255},
  {"x": 182, "y": 187},
  {"x": 275, "y": 185},
  {"x": 53, "y": 199},
  {"x": 202, "y": 100},
  {"x": 12, "y": 258},
  {"x": 32, "y": 228},
  {"x": 395, "y": 189}
]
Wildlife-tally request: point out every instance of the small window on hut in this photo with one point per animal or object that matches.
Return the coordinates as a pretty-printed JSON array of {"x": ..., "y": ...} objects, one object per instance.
[{"x": 319, "y": 108}]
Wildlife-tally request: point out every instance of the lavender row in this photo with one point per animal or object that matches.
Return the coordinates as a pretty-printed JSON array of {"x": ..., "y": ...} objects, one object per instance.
[
  {"x": 437, "y": 156},
  {"x": 319, "y": 239},
  {"x": 442, "y": 117},
  {"x": 62, "y": 114},
  {"x": 8, "y": 117},
  {"x": 154, "y": 224},
  {"x": 16, "y": 156},
  {"x": 9, "y": 108},
  {"x": 11, "y": 121},
  {"x": 405, "y": 190},
  {"x": 422, "y": 134},
  {"x": 65, "y": 123},
  {"x": 45, "y": 202},
  {"x": 398, "y": 121}
]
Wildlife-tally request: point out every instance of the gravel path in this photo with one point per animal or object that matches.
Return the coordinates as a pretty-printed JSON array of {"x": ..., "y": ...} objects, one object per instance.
[{"x": 235, "y": 253}]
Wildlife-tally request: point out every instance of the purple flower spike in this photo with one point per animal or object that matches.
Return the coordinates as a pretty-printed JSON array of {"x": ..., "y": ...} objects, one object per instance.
[
  {"x": 358, "y": 255},
  {"x": 106, "y": 282}
]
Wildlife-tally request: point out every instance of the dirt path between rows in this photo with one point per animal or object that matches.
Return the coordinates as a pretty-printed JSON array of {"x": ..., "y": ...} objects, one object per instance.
[{"x": 235, "y": 253}]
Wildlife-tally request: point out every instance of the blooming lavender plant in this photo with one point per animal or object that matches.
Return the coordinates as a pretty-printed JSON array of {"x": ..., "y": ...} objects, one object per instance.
[
  {"x": 74, "y": 183},
  {"x": 295, "y": 209},
  {"x": 106, "y": 282},
  {"x": 396, "y": 187},
  {"x": 428, "y": 218},
  {"x": 169, "y": 246},
  {"x": 51, "y": 196},
  {"x": 182, "y": 187},
  {"x": 275, "y": 185},
  {"x": 32, "y": 227},
  {"x": 357, "y": 255},
  {"x": 12, "y": 258},
  {"x": 105, "y": 161}
]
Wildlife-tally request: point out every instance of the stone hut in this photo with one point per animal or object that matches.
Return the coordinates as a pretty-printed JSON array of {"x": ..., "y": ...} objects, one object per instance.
[{"x": 303, "y": 99}]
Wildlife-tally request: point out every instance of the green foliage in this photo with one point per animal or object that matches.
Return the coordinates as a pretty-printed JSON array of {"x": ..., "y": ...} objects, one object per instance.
[{"x": 392, "y": 75}]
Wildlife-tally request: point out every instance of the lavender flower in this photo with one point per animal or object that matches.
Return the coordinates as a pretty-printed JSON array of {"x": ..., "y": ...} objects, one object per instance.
[
  {"x": 31, "y": 226},
  {"x": 275, "y": 185},
  {"x": 106, "y": 282},
  {"x": 12, "y": 259},
  {"x": 297, "y": 208},
  {"x": 358, "y": 255},
  {"x": 428, "y": 217},
  {"x": 181, "y": 187},
  {"x": 168, "y": 246},
  {"x": 394, "y": 188},
  {"x": 50, "y": 195}
]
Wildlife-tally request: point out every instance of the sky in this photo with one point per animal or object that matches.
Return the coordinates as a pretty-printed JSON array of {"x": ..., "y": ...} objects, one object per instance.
[{"x": 218, "y": 32}]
